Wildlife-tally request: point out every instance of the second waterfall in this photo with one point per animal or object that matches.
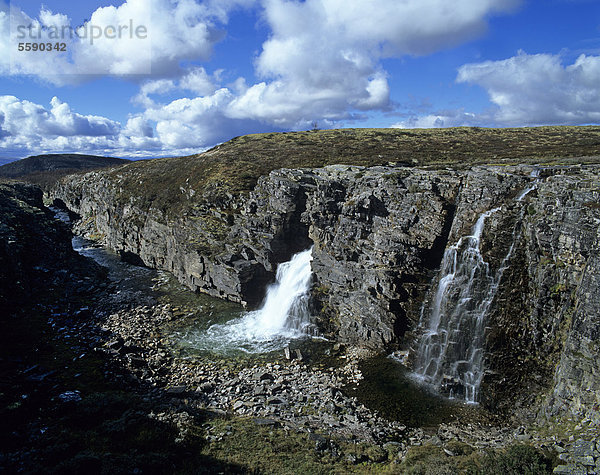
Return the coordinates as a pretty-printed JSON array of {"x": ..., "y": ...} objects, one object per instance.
[{"x": 450, "y": 350}]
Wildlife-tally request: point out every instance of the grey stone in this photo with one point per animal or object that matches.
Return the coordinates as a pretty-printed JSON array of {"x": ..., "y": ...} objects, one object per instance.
[
  {"x": 266, "y": 422},
  {"x": 176, "y": 390},
  {"x": 379, "y": 234},
  {"x": 586, "y": 460},
  {"x": 276, "y": 401},
  {"x": 582, "y": 448},
  {"x": 569, "y": 469},
  {"x": 265, "y": 377},
  {"x": 558, "y": 448}
]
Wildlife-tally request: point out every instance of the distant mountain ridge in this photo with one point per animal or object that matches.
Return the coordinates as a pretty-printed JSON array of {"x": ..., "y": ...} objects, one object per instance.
[
  {"x": 44, "y": 170},
  {"x": 40, "y": 163},
  {"x": 4, "y": 161}
]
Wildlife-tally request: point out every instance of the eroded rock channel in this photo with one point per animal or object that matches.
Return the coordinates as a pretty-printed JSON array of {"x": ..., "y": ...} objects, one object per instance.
[{"x": 380, "y": 237}]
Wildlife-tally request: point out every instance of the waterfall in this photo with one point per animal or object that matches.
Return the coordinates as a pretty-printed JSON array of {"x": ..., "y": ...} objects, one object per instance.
[
  {"x": 450, "y": 351},
  {"x": 535, "y": 173},
  {"x": 449, "y": 356},
  {"x": 285, "y": 308},
  {"x": 284, "y": 314}
]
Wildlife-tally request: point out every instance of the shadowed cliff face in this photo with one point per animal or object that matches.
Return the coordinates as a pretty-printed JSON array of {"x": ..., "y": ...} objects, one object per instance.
[
  {"x": 35, "y": 249},
  {"x": 379, "y": 234},
  {"x": 545, "y": 322}
]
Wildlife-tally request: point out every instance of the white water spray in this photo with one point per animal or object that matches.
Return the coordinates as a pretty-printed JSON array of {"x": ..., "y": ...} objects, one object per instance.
[
  {"x": 450, "y": 352},
  {"x": 285, "y": 309},
  {"x": 284, "y": 314},
  {"x": 535, "y": 173}
]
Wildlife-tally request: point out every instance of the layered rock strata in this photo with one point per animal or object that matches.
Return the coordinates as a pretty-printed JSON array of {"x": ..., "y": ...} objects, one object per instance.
[
  {"x": 379, "y": 235},
  {"x": 36, "y": 255}
]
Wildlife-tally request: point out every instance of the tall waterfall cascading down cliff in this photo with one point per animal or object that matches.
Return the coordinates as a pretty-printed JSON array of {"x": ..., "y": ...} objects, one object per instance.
[
  {"x": 450, "y": 354},
  {"x": 450, "y": 351},
  {"x": 284, "y": 314}
]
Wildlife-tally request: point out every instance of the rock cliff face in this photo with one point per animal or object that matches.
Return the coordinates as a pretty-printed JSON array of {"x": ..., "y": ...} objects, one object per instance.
[
  {"x": 545, "y": 320},
  {"x": 35, "y": 250},
  {"x": 379, "y": 234}
]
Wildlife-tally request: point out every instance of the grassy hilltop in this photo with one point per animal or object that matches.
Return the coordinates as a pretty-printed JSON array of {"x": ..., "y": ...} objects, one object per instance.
[{"x": 236, "y": 165}]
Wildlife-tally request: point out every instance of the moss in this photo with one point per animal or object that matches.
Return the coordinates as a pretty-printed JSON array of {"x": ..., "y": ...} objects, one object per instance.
[
  {"x": 546, "y": 260},
  {"x": 459, "y": 448},
  {"x": 563, "y": 332},
  {"x": 268, "y": 449},
  {"x": 422, "y": 453},
  {"x": 233, "y": 168},
  {"x": 96, "y": 236},
  {"x": 322, "y": 290},
  {"x": 516, "y": 460},
  {"x": 558, "y": 289}
]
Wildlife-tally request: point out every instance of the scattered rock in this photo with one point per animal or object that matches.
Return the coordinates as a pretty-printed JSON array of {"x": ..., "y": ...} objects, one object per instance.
[{"x": 176, "y": 391}]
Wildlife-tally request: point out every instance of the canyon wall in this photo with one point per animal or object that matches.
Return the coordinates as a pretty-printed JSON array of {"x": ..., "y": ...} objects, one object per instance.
[
  {"x": 36, "y": 256},
  {"x": 379, "y": 234}
]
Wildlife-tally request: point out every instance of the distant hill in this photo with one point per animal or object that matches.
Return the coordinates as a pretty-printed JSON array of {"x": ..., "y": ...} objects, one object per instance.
[
  {"x": 4, "y": 161},
  {"x": 44, "y": 170}
]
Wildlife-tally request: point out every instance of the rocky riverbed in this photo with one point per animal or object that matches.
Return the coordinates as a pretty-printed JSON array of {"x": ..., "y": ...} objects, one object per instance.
[
  {"x": 288, "y": 395},
  {"x": 92, "y": 377}
]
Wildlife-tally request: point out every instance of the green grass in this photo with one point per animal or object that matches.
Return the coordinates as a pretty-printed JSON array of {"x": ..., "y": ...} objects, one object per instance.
[
  {"x": 514, "y": 460},
  {"x": 235, "y": 166},
  {"x": 263, "y": 449}
]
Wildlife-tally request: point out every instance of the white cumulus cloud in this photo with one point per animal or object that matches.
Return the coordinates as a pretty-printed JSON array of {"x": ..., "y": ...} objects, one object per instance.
[
  {"x": 447, "y": 118},
  {"x": 139, "y": 37},
  {"x": 182, "y": 127},
  {"x": 323, "y": 59},
  {"x": 538, "y": 89},
  {"x": 27, "y": 119},
  {"x": 525, "y": 90},
  {"x": 27, "y": 127}
]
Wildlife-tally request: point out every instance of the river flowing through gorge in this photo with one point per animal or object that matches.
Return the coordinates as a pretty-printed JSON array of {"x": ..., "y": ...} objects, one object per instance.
[
  {"x": 216, "y": 330},
  {"x": 215, "y": 325}
]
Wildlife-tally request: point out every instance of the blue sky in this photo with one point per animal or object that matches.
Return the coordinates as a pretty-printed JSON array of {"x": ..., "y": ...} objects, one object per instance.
[{"x": 202, "y": 72}]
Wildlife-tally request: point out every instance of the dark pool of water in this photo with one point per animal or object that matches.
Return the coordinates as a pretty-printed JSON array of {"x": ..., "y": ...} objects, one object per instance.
[{"x": 387, "y": 388}]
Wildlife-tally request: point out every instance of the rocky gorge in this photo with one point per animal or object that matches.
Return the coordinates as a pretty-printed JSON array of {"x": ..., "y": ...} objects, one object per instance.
[
  {"x": 90, "y": 361},
  {"x": 379, "y": 234}
]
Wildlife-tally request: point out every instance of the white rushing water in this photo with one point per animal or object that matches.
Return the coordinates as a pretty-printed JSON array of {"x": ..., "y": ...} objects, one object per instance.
[
  {"x": 535, "y": 173},
  {"x": 450, "y": 351},
  {"x": 284, "y": 314}
]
